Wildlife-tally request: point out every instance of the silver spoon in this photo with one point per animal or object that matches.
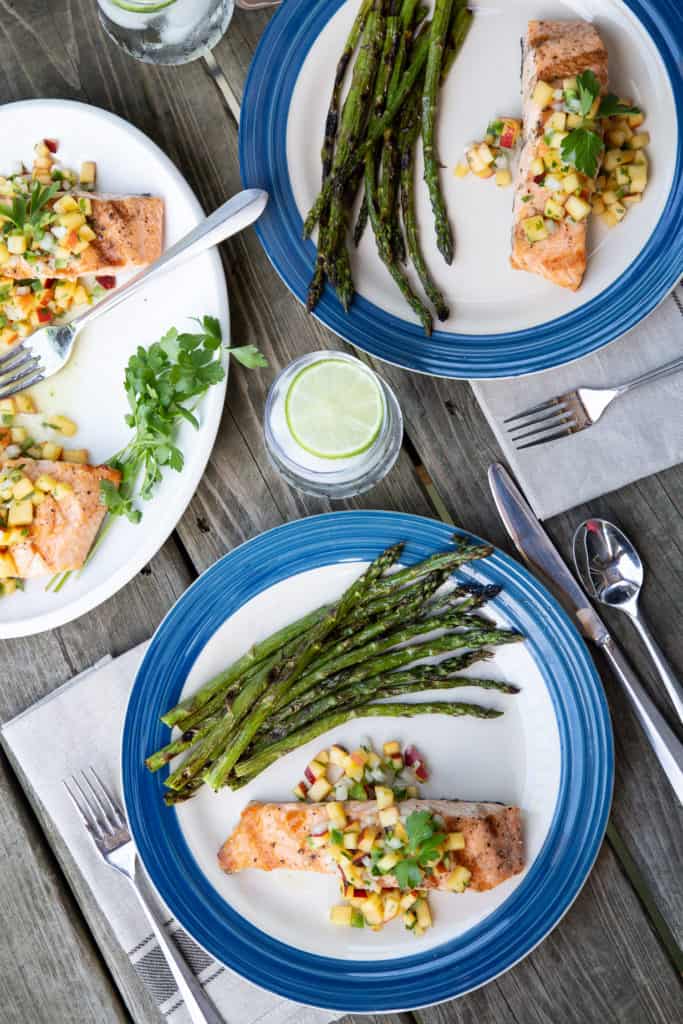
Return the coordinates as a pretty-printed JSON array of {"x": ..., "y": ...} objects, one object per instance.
[{"x": 611, "y": 570}]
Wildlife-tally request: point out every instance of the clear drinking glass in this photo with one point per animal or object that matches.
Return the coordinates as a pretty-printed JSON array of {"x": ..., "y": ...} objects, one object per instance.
[
  {"x": 165, "y": 31},
  {"x": 325, "y": 477}
]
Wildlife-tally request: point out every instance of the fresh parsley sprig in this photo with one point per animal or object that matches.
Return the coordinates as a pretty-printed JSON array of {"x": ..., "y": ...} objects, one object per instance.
[
  {"x": 29, "y": 212},
  {"x": 163, "y": 384},
  {"x": 423, "y": 850},
  {"x": 583, "y": 146}
]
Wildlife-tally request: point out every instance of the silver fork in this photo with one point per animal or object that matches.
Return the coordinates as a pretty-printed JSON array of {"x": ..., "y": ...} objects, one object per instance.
[
  {"x": 107, "y": 828},
  {"x": 47, "y": 350},
  {"x": 574, "y": 411}
]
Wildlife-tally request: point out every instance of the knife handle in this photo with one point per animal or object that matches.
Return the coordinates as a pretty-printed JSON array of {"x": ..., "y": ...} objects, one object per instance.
[{"x": 666, "y": 745}]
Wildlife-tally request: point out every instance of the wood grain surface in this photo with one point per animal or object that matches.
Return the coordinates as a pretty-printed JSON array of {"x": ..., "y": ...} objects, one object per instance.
[{"x": 613, "y": 957}]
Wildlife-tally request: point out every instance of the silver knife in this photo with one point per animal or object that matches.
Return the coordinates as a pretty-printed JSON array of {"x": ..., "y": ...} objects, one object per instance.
[{"x": 540, "y": 554}]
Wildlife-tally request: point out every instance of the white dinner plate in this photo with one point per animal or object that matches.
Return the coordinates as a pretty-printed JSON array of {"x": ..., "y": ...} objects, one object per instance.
[{"x": 90, "y": 388}]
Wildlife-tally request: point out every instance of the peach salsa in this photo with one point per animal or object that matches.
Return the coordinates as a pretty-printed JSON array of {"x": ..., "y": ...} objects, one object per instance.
[{"x": 44, "y": 226}]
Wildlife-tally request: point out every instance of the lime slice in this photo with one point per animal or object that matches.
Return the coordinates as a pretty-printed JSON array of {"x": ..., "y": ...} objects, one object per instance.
[
  {"x": 142, "y": 8},
  {"x": 334, "y": 409}
]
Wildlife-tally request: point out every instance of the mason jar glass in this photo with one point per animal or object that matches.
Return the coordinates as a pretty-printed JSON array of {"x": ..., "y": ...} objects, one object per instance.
[{"x": 165, "y": 31}]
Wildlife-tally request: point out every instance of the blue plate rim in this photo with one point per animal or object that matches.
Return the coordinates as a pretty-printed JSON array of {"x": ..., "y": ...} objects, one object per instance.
[
  {"x": 616, "y": 310},
  {"x": 423, "y": 978}
]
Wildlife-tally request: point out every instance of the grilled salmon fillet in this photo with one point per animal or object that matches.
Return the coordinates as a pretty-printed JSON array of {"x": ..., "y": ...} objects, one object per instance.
[
  {"x": 272, "y": 836},
  {"x": 129, "y": 232},
  {"x": 552, "y": 51},
  {"x": 62, "y": 532}
]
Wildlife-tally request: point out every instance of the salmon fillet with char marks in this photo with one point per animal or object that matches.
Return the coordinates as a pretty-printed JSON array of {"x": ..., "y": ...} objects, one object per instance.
[
  {"x": 272, "y": 836},
  {"x": 62, "y": 532},
  {"x": 129, "y": 233},
  {"x": 552, "y": 51}
]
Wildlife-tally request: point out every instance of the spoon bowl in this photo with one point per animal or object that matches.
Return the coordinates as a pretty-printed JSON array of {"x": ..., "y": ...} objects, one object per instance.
[{"x": 608, "y": 564}]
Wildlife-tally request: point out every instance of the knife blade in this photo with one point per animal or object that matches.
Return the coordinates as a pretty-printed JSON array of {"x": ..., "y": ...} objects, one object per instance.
[{"x": 541, "y": 555}]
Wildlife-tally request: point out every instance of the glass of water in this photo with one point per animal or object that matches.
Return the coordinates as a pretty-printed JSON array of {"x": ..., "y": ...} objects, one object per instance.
[
  {"x": 332, "y": 427},
  {"x": 165, "y": 31}
]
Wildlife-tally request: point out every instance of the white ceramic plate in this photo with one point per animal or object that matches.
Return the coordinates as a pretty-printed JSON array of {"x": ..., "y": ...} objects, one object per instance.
[{"x": 90, "y": 388}]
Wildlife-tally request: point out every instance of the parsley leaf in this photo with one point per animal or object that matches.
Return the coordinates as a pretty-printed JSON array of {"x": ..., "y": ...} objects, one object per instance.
[
  {"x": 419, "y": 829},
  {"x": 582, "y": 149},
  {"x": 29, "y": 212},
  {"x": 163, "y": 384},
  {"x": 249, "y": 356},
  {"x": 424, "y": 847},
  {"x": 494, "y": 128},
  {"x": 588, "y": 89},
  {"x": 610, "y": 106},
  {"x": 408, "y": 874}
]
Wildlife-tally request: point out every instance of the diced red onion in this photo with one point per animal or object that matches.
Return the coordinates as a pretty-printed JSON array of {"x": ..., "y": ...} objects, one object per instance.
[
  {"x": 411, "y": 755},
  {"x": 309, "y": 774},
  {"x": 51, "y": 144},
  {"x": 319, "y": 829},
  {"x": 106, "y": 281},
  {"x": 12, "y": 451}
]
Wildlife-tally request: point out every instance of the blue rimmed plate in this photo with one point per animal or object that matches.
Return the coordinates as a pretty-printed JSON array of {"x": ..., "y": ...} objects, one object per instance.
[
  {"x": 503, "y": 323},
  {"x": 551, "y": 753}
]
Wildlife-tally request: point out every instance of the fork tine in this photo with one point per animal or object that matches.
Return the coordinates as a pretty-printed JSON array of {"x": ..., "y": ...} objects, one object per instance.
[
  {"x": 541, "y": 407},
  {"x": 87, "y": 817},
  {"x": 104, "y": 815},
  {"x": 113, "y": 806},
  {"x": 548, "y": 419},
  {"x": 557, "y": 421},
  {"x": 29, "y": 365},
  {"x": 25, "y": 382},
  {"x": 13, "y": 352},
  {"x": 549, "y": 437},
  {"x": 24, "y": 357}
]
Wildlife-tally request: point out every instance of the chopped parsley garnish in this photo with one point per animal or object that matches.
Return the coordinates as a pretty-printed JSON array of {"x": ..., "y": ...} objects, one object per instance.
[
  {"x": 582, "y": 149},
  {"x": 610, "y": 106},
  {"x": 495, "y": 128},
  {"x": 336, "y": 837},
  {"x": 5, "y": 291},
  {"x": 423, "y": 849},
  {"x": 525, "y": 199},
  {"x": 29, "y": 213}
]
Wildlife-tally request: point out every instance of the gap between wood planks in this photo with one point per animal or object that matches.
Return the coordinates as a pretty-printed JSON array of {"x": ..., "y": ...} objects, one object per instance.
[{"x": 613, "y": 837}]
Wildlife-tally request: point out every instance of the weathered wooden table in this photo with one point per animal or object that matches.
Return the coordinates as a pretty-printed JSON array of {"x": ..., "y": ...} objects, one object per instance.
[{"x": 616, "y": 956}]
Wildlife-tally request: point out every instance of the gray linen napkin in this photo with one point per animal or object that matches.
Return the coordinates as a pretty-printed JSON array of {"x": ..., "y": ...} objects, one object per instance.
[
  {"x": 81, "y": 724},
  {"x": 640, "y": 434}
]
